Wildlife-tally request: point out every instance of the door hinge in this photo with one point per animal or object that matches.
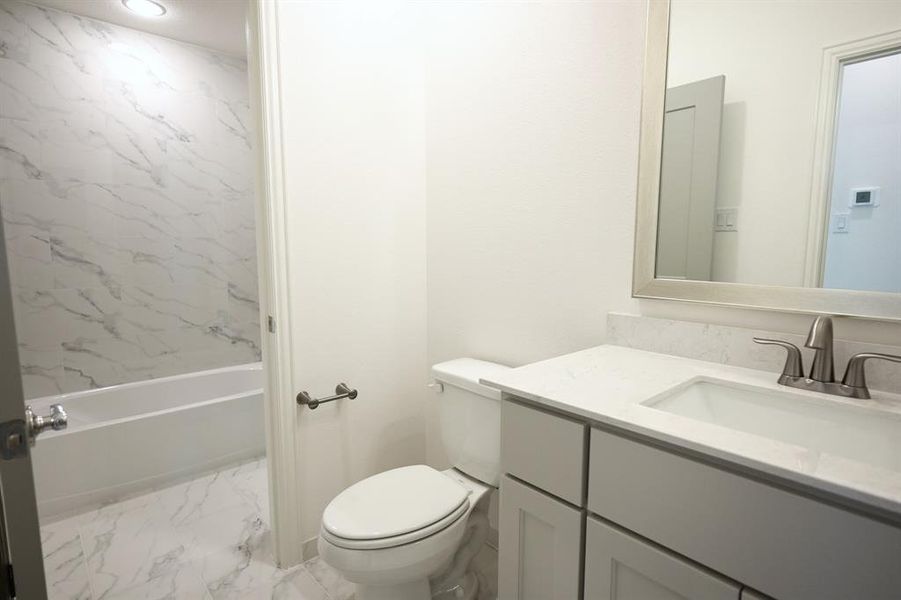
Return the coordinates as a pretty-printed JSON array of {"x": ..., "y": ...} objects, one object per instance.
[
  {"x": 13, "y": 439},
  {"x": 271, "y": 324}
]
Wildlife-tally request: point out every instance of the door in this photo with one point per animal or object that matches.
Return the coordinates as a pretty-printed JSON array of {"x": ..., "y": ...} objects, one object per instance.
[
  {"x": 540, "y": 545},
  {"x": 620, "y": 566},
  {"x": 22, "y": 568},
  {"x": 691, "y": 154}
]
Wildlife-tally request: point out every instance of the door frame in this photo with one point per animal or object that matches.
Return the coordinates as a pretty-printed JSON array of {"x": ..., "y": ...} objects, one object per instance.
[
  {"x": 273, "y": 268},
  {"x": 828, "y": 105}
]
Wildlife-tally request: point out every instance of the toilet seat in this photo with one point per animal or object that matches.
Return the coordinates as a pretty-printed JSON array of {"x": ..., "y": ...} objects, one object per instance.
[{"x": 393, "y": 508}]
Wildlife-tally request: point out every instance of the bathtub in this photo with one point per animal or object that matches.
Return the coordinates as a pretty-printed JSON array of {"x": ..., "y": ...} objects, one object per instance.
[{"x": 126, "y": 439}]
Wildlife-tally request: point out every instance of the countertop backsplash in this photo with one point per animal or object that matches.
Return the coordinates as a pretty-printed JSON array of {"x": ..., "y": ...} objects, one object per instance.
[{"x": 734, "y": 346}]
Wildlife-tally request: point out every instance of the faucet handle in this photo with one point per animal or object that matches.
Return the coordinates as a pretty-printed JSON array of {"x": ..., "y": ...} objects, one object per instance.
[
  {"x": 855, "y": 374},
  {"x": 794, "y": 363}
]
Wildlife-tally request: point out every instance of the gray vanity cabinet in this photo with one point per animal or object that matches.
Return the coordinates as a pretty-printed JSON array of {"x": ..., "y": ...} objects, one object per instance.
[
  {"x": 620, "y": 566},
  {"x": 590, "y": 513},
  {"x": 542, "y": 537}
]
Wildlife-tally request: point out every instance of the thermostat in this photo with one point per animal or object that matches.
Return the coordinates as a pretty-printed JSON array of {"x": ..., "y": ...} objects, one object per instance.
[{"x": 864, "y": 196}]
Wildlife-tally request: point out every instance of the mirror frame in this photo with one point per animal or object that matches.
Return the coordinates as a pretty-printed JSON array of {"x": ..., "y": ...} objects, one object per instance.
[{"x": 869, "y": 305}]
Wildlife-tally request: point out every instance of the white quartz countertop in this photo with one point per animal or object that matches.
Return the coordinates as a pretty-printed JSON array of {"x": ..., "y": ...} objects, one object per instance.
[{"x": 609, "y": 384}]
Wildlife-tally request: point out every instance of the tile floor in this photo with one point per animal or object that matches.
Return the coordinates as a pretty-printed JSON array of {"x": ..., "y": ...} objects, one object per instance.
[{"x": 203, "y": 539}]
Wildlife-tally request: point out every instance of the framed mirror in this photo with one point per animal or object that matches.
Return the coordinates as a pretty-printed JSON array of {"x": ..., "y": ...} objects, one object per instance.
[{"x": 770, "y": 156}]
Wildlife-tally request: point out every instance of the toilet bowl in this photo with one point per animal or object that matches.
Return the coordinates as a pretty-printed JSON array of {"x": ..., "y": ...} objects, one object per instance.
[{"x": 411, "y": 533}]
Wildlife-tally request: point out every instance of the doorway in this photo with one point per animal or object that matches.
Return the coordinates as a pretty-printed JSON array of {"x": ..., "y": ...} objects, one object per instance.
[
  {"x": 863, "y": 250},
  {"x": 128, "y": 204}
]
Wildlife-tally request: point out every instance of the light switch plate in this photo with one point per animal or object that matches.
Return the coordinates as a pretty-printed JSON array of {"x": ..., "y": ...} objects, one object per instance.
[
  {"x": 725, "y": 219},
  {"x": 841, "y": 222}
]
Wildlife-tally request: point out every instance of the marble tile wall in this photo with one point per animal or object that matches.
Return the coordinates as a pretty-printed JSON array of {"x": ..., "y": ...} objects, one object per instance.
[
  {"x": 127, "y": 200},
  {"x": 734, "y": 346}
]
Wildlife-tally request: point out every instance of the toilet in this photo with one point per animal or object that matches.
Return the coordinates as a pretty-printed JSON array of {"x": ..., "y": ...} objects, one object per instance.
[{"x": 411, "y": 533}]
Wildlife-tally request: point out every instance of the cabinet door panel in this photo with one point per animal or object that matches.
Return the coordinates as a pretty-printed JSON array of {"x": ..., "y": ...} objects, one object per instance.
[
  {"x": 619, "y": 566},
  {"x": 540, "y": 541}
]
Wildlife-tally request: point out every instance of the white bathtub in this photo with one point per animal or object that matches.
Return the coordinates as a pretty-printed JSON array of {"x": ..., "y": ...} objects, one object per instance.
[{"x": 135, "y": 437}]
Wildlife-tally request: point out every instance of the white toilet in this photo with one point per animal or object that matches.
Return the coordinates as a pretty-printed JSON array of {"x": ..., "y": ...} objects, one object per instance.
[{"x": 411, "y": 533}]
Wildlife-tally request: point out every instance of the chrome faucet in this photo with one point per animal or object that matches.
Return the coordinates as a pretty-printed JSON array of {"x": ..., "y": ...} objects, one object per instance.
[
  {"x": 820, "y": 339},
  {"x": 822, "y": 371}
]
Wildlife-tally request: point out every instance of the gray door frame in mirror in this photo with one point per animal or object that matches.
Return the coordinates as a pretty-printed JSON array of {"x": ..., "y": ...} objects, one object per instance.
[{"x": 869, "y": 305}]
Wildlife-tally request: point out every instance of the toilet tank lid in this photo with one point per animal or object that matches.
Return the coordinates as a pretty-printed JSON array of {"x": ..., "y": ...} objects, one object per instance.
[{"x": 466, "y": 372}]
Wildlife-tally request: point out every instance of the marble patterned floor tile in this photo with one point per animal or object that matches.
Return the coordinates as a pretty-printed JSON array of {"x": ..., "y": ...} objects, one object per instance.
[
  {"x": 230, "y": 572},
  {"x": 336, "y": 586},
  {"x": 113, "y": 510},
  {"x": 237, "y": 529},
  {"x": 485, "y": 567},
  {"x": 251, "y": 481},
  {"x": 131, "y": 549},
  {"x": 205, "y": 539},
  {"x": 299, "y": 584},
  {"x": 196, "y": 499},
  {"x": 183, "y": 583},
  {"x": 64, "y": 562}
]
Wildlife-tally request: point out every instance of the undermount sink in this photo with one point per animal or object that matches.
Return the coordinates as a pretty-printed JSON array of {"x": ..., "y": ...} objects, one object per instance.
[{"x": 866, "y": 435}]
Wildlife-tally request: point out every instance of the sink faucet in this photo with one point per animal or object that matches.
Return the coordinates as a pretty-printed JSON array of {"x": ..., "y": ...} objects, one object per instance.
[
  {"x": 820, "y": 339},
  {"x": 822, "y": 371}
]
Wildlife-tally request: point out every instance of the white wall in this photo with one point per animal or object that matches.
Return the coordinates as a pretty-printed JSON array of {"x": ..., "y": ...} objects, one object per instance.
[
  {"x": 513, "y": 176},
  {"x": 354, "y": 149},
  {"x": 771, "y": 54},
  {"x": 532, "y": 159},
  {"x": 867, "y": 153},
  {"x": 533, "y": 113}
]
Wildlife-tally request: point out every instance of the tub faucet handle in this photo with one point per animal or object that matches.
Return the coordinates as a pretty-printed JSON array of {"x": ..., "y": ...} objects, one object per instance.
[{"x": 57, "y": 420}]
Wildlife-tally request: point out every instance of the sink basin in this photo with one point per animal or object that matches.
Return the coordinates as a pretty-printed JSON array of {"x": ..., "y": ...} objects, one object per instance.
[{"x": 865, "y": 435}]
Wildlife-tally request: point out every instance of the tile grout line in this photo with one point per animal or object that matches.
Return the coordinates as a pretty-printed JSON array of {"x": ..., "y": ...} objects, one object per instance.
[{"x": 84, "y": 562}]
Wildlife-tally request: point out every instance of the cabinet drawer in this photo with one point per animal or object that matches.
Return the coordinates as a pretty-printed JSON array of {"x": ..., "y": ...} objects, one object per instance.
[
  {"x": 783, "y": 544},
  {"x": 620, "y": 566},
  {"x": 546, "y": 450}
]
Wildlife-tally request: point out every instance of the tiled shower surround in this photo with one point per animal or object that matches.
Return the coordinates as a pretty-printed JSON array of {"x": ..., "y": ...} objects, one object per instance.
[{"x": 127, "y": 199}]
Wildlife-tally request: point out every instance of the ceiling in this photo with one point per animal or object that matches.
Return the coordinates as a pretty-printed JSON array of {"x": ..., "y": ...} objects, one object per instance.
[{"x": 216, "y": 24}]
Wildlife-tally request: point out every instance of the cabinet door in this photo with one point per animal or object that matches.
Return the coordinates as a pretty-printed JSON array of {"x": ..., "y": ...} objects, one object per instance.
[
  {"x": 540, "y": 541},
  {"x": 620, "y": 566}
]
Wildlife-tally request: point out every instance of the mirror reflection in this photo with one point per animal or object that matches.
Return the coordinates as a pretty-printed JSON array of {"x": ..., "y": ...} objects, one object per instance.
[{"x": 781, "y": 158}]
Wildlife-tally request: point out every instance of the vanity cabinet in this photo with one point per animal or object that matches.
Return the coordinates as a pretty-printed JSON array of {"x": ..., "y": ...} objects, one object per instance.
[
  {"x": 621, "y": 566},
  {"x": 591, "y": 512},
  {"x": 543, "y": 536}
]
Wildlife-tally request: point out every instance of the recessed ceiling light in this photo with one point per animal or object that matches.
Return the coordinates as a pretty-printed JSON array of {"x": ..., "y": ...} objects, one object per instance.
[{"x": 145, "y": 8}]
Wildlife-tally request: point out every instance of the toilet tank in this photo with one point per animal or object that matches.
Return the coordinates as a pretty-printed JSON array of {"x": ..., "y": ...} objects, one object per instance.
[{"x": 470, "y": 417}]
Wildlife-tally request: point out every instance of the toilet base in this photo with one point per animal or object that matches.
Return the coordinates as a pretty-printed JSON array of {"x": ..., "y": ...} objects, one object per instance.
[{"x": 412, "y": 590}]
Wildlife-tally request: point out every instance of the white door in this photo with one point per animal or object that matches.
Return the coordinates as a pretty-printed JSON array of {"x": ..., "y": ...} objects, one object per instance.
[
  {"x": 540, "y": 544},
  {"x": 21, "y": 564},
  {"x": 620, "y": 566},
  {"x": 345, "y": 140},
  {"x": 691, "y": 152}
]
